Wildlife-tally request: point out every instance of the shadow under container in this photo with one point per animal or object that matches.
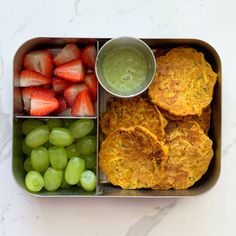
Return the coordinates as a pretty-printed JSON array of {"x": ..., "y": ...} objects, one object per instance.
[{"x": 104, "y": 188}]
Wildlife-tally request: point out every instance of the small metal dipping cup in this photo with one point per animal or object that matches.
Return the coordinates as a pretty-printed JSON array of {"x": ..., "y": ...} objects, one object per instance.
[{"x": 126, "y": 42}]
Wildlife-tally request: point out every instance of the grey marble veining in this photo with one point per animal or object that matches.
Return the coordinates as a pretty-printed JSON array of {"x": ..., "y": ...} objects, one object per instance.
[
  {"x": 229, "y": 147},
  {"x": 76, "y": 7},
  {"x": 4, "y": 212},
  {"x": 22, "y": 26},
  {"x": 146, "y": 223},
  {"x": 76, "y": 11}
]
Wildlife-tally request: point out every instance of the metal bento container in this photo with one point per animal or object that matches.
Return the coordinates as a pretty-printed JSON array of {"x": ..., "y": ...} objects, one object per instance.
[{"x": 104, "y": 188}]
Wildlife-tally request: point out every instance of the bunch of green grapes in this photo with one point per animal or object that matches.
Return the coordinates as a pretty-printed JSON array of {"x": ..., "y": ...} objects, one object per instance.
[{"x": 59, "y": 154}]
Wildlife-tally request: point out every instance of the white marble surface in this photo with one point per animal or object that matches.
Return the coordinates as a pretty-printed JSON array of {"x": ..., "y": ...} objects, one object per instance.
[{"x": 211, "y": 20}]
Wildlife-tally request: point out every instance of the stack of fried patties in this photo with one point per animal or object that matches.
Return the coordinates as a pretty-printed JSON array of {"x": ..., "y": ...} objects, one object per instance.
[{"x": 160, "y": 141}]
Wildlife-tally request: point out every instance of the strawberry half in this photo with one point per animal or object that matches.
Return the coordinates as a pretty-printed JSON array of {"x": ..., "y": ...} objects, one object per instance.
[
  {"x": 83, "y": 105},
  {"x": 42, "y": 104},
  {"x": 62, "y": 105},
  {"x": 92, "y": 83},
  {"x": 73, "y": 71},
  {"x": 72, "y": 91},
  {"x": 40, "y": 61},
  {"x": 30, "y": 78},
  {"x": 88, "y": 56},
  {"x": 27, "y": 94},
  {"x": 69, "y": 53},
  {"x": 59, "y": 85}
]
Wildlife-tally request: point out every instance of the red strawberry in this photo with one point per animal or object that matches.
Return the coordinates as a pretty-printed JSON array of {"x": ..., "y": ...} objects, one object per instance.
[
  {"x": 62, "y": 105},
  {"x": 31, "y": 78},
  {"x": 68, "y": 53},
  {"x": 88, "y": 56},
  {"x": 27, "y": 94},
  {"x": 92, "y": 83},
  {"x": 54, "y": 51},
  {"x": 59, "y": 85},
  {"x": 73, "y": 71},
  {"x": 72, "y": 91},
  {"x": 40, "y": 61},
  {"x": 83, "y": 105},
  {"x": 42, "y": 104}
]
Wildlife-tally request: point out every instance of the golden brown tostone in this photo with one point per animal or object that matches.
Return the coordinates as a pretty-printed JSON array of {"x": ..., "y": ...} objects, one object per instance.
[
  {"x": 190, "y": 153},
  {"x": 204, "y": 120},
  {"x": 184, "y": 82},
  {"x": 132, "y": 158},
  {"x": 130, "y": 112}
]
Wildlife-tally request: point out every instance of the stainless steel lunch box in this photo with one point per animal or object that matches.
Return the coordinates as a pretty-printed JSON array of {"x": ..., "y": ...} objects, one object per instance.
[{"x": 104, "y": 188}]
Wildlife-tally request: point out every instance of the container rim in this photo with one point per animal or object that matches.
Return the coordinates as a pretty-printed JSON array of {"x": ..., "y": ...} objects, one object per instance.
[{"x": 122, "y": 38}]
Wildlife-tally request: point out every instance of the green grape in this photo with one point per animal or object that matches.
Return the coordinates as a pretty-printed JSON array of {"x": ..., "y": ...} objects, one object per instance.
[
  {"x": 94, "y": 130},
  {"x": 64, "y": 184},
  {"x": 40, "y": 159},
  {"x": 88, "y": 180},
  {"x": 37, "y": 137},
  {"x": 30, "y": 124},
  {"x": 60, "y": 137},
  {"x": 52, "y": 179},
  {"x": 87, "y": 145},
  {"x": 66, "y": 123},
  {"x": 34, "y": 181},
  {"x": 26, "y": 149},
  {"x": 74, "y": 169},
  {"x": 81, "y": 128},
  {"x": 28, "y": 165},
  {"x": 71, "y": 151},
  {"x": 57, "y": 157},
  {"x": 90, "y": 160},
  {"x": 54, "y": 123}
]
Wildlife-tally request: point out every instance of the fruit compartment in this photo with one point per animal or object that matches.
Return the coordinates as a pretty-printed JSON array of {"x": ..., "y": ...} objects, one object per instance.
[
  {"x": 19, "y": 157},
  {"x": 54, "y": 45},
  {"x": 104, "y": 188},
  {"x": 19, "y": 115}
]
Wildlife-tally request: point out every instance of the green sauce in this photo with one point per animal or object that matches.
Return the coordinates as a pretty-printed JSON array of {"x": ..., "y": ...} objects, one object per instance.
[{"x": 124, "y": 70}]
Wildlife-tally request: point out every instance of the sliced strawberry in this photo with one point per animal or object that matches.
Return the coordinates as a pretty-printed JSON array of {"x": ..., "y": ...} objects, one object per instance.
[
  {"x": 40, "y": 61},
  {"x": 72, "y": 91},
  {"x": 88, "y": 56},
  {"x": 30, "y": 78},
  {"x": 59, "y": 85},
  {"x": 62, "y": 105},
  {"x": 69, "y": 53},
  {"x": 27, "y": 94},
  {"x": 83, "y": 105},
  {"x": 92, "y": 83},
  {"x": 42, "y": 104},
  {"x": 73, "y": 71}
]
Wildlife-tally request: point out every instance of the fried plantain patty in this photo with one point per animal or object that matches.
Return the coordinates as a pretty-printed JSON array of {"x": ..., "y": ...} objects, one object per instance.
[
  {"x": 203, "y": 120},
  {"x": 190, "y": 153},
  {"x": 130, "y": 112},
  {"x": 132, "y": 158},
  {"x": 184, "y": 82}
]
